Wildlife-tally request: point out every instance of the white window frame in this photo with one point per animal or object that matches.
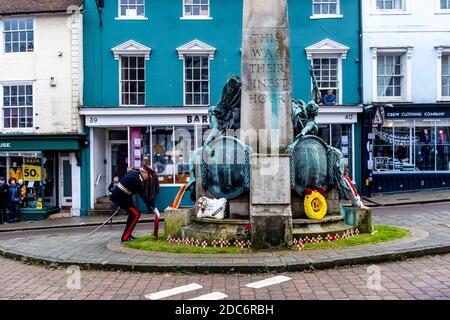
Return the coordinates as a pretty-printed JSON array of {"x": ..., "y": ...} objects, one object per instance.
[
  {"x": 339, "y": 73},
  {"x": 330, "y": 49},
  {"x": 2, "y": 122},
  {"x": 3, "y": 39},
  {"x": 196, "y": 48},
  {"x": 441, "y": 11},
  {"x": 199, "y": 17},
  {"x": 404, "y": 10},
  {"x": 125, "y": 17},
  {"x": 441, "y": 51},
  {"x": 407, "y": 69},
  {"x": 131, "y": 48},
  {"x": 121, "y": 104},
  {"x": 336, "y": 15}
]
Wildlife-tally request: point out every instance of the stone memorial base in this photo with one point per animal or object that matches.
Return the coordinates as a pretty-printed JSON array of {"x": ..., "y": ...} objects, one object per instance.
[
  {"x": 331, "y": 224},
  {"x": 213, "y": 229},
  {"x": 270, "y": 201},
  {"x": 360, "y": 218},
  {"x": 175, "y": 220}
]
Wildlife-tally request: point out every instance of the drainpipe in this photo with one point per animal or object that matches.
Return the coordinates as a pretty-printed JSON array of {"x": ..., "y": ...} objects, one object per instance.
[
  {"x": 360, "y": 49},
  {"x": 100, "y": 5}
]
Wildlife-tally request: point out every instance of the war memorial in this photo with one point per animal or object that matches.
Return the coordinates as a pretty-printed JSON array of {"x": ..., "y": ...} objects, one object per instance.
[{"x": 263, "y": 154}]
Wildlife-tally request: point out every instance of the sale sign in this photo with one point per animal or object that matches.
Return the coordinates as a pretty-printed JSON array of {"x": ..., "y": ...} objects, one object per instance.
[{"x": 31, "y": 172}]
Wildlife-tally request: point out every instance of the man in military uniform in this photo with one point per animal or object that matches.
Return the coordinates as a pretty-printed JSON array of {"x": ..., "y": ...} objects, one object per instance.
[{"x": 132, "y": 183}]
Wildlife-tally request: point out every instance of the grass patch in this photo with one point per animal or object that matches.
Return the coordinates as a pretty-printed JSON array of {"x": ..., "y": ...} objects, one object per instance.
[
  {"x": 382, "y": 234},
  {"x": 148, "y": 243}
]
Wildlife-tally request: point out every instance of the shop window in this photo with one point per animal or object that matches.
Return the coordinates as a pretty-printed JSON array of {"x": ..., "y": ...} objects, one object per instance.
[
  {"x": 28, "y": 171},
  {"x": 3, "y": 168},
  {"x": 48, "y": 179},
  {"x": 339, "y": 136},
  {"x": 162, "y": 153},
  {"x": 383, "y": 148},
  {"x": 326, "y": 70},
  {"x": 412, "y": 145},
  {"x": 403, "y": 139},
  {"x": 132, "y": 80},
  {"x": 17, "y": 106},
  {"x": 394, "y": 147},
  {"x": 184, "y": 144},
  {"x": 195, "y": 8},
  {"x": 167, "y": 150},
  {"x": 390, "y": 77},
  {"x": 425, "y": 150},
  {"x": 325, "y": 133},
  {"x": 131, "y": 8},
  {"x": 18, "y": 35},
  {"x": 445, "y": 76},
  {"x": 442, "y": 147}
]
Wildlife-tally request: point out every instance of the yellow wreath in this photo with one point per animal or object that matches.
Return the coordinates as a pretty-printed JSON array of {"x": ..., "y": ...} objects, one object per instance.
[{"x": 315, "y": 205}]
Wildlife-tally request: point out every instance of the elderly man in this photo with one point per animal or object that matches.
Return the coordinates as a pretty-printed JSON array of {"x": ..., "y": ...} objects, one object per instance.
[{"x": 132, "y": 183}]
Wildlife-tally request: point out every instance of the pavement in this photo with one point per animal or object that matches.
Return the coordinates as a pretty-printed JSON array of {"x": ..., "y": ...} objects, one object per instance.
[
  {"x": 422, "y": 278},
  {"x": 69, "y": 222},
  {"x": 404, "y": 198},
  {"x": 429, "y": 224}
]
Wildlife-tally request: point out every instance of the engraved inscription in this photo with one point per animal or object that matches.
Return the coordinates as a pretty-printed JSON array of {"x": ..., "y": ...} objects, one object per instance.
[{"x": 270, "y": 181}]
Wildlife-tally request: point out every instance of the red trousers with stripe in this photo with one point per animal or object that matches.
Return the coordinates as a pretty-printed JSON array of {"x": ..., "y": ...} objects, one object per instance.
[
  {"x": 133, "y": 218},
  {"x": 126, "y": 203}
]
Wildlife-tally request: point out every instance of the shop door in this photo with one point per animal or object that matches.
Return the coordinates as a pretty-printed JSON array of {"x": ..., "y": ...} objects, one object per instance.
[
  {"x": 65, "y": 181},
  {"x": 119, "y": 159}
]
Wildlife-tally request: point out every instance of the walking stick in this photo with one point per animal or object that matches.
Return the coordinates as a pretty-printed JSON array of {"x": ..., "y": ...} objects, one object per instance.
[{"x": 106, "y": 221}]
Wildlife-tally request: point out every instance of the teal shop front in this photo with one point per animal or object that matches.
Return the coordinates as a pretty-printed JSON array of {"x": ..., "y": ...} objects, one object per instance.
[
  {"x": 162, "y": 138},
  {"x": 47, "y": 167}
]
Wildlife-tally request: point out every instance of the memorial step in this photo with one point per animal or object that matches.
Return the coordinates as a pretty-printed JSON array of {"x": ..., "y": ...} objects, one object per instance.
[{"x": 313, "y": 230}]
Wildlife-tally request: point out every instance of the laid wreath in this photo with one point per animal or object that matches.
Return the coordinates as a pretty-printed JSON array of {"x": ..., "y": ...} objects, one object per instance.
[{"x": 315, "y": 204}]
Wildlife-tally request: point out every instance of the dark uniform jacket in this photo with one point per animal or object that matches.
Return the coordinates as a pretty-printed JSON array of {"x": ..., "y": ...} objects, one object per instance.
[{"x": 134, "y": 184}]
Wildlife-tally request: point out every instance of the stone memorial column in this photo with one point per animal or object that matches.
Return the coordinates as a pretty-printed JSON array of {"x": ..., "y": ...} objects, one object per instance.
[{"x": 266, "y": 111}]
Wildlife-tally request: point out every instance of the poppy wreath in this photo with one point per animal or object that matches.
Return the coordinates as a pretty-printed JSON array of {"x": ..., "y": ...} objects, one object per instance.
[{"x": 315, "y": 204}]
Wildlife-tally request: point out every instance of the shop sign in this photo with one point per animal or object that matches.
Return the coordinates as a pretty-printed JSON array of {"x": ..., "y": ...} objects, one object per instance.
[
  {"x": 5, "y": 145},
  {"x": 31, "y": 173},
  {"x": 418, "y": 112},
  {"x": 197, "y": 119},
  {"x": 31, "y": 169}
]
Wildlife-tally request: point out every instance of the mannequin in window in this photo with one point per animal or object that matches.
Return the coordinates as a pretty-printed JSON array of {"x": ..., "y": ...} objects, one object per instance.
[
  {"x": 441, "y": 151},
  {"x": 15, "y": 172},
  {"x": 425, "y": 149}
]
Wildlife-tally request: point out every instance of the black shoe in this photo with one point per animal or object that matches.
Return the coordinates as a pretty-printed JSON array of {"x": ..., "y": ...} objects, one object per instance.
[{"x": 130, "y": 239}]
